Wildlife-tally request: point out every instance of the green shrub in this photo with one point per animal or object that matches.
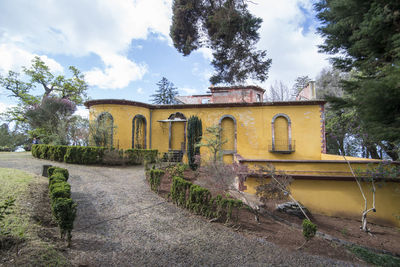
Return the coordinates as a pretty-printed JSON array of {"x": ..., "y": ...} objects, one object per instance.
[
  {"x": 34, "y": 150},
  {"x": 222, "y": 208},
  {"x": 43, "y": 151},
  {"x": 309, "y": 229},
  {"x": 138, "y": 156},
  {"x": 53, "y": 170},
  {"x": 374, "y": 258},
  {"x": 179, "y": 190},
  {"x": 64, "y": 211},
  {"x": 57, "y": 177},
  {"x": 59, "y": 153},
  {"x": 63, "y": 171},
  {"x": 155, "y": 178},
  {"x": 51, "y": 152},
  {"x": 60, "y": 190},
  {"x": 199, "y": 200}
]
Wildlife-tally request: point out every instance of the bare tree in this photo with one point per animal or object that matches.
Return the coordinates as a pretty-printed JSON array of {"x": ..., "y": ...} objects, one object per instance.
[{"x": 280, "y": 92}]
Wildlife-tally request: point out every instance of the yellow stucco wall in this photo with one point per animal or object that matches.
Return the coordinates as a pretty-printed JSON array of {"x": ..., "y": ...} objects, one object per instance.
[
  {"x": 254, "y": 136},
  {"x": 123, "y": 117},
  {"x": 343, "y": 199}
]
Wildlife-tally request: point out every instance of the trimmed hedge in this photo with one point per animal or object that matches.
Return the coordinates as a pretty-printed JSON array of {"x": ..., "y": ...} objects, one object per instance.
[
  {"x": 62, "y": 206},
  {"x": 198, "y": 199},
  {"x": 139, "y": 156},
  {"x": 155, "y": 178},
  {"x": 90, "y": 155},
  {"x": 53, "y": 170}
]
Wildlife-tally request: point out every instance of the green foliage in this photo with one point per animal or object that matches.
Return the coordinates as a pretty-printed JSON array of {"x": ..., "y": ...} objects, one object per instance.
[
  {"x": 300, "y": 83},
  {"x": 60, "y": 189},
  {"x": 91, "y": 155},
  {"x": 177, "y": 169},
  {"x": 62, "y": 206},
  {"x": 139, "y": 156},
  {"x": 222, "y": 207},
  {"x": 102, "y": 130},
  {"x": 165, "y": 93},
  {"x": 5, "y": 209},
  {"x": 54, "y": 170},
  {"x": 213, "y": 141},
  {"x": 179, "y": 190},
  {"x": 84, "y": 155},
  {"x": 10, "y": 140},
  {"x": 198, "y": 200},
  {"x": 228, "y": 28},
  {"x": 155, "y": 178},
  {"x": 374, "y": 258},
  {"x": 309, "y": 229},
  {"x": 365, "y": 35},
  {"x": 64, "y": 211},
  {"x": 194, "y": 134}
]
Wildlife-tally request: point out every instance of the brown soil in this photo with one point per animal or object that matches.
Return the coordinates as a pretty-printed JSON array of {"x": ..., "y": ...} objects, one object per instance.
[{"x": 285, "y": 230}]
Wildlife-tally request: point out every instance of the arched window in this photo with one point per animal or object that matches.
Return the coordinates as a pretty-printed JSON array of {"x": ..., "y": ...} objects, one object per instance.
[
  {"x": 281, "y": 134},
  {"x": 228, "y": 134},
  {"x": 139, "y": 126},
  {"x": 103, "y": 133}
]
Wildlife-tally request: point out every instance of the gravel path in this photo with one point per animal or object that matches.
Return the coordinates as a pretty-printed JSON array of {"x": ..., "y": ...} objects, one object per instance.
[{"x": 121, "y": 222}]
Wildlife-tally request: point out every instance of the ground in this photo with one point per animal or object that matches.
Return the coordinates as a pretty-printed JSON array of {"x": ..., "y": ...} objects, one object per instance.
[{"x": 121, "y": 222}]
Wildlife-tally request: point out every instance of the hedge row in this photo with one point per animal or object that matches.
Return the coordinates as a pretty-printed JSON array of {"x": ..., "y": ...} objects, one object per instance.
[
  {"x": 198, "y": 199},
  {"x": 91, "y": 155},
  {"x": 154, "y": 176},
  {"x": 141, "y": 156},
  {"x": 62, "y": 206}
]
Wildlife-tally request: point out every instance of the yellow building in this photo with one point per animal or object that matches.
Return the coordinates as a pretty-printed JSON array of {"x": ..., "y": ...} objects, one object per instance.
[{"x": 288, "y": 135}]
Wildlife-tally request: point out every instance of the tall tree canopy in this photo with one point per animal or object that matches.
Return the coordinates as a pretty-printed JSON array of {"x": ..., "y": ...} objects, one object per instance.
[
  {"x": 228, "y": 28},
  {"x": 166, "y": 92},
  {"x": 364, "y": 36},
  {"x": 46, "y": 102}
]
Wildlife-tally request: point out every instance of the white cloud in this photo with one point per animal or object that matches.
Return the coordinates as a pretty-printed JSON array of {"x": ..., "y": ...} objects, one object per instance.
[
  {"x": 292, "y": 48},
  {"x": 119, "y": 71},
  {"x": 140, "y": 90},
  {"x": 13, "y": 58},
  {"x": 80, "y": 28}
]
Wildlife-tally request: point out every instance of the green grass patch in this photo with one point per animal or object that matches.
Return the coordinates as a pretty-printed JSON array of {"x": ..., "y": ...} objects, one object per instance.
[
  {"x": 374, "y": 258},
  {"x": 14, "y": 183},
  {"x": 19, "y": 225}
]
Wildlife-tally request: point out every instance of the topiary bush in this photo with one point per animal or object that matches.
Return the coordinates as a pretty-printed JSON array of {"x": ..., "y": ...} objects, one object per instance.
[
  {"x": 309, "y": 229},
  {"x": 64, "y": 212},
  {"x": 179, "y": 190},
  {"x": 53, "y": 170},
  {"x": 199, "y": 200},
  {"x": 155, "y": 179},
  {"x": 60, "y": 189}
]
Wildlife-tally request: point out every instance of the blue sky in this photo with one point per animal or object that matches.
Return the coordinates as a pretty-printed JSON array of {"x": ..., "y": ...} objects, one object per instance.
[{"x": 123, "y": 46}]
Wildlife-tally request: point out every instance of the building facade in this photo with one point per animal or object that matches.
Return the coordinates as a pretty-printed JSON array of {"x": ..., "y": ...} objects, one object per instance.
[{"x": 288, "y": 135}]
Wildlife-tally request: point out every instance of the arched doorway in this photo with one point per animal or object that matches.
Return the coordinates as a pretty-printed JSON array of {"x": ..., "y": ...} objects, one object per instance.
[{"x": 139, "y": 126}]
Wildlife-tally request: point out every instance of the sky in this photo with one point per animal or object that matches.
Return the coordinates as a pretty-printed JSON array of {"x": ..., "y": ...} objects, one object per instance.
[{"x": 123, "y": 46}]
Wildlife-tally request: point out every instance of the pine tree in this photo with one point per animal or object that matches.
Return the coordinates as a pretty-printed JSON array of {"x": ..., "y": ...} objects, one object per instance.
[
  {"x": 228, "y": 28},
  {"x": 366, "y": 37},
  {"x": 165, "y": 94}
]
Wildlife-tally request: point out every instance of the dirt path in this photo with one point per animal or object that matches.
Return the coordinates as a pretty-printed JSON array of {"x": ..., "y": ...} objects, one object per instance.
[{"x": 121, "y": 222}]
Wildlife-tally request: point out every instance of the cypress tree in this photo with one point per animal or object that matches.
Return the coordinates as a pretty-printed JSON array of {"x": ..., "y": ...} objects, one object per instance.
[{"x": 194, "y": 134}]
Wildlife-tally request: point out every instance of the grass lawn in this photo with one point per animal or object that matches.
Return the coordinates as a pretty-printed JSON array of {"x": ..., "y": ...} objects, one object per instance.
[{"x": 19, "y": 240}]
